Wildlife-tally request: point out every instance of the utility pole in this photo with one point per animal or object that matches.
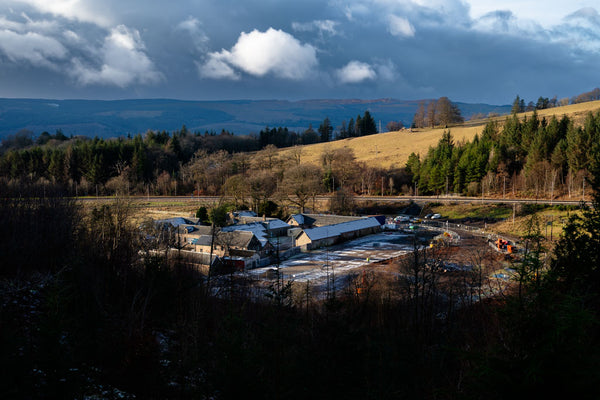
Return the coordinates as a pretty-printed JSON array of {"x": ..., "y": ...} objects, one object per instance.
[
  {"x": 552, "y": 191},
  {"x": 446, "y": 185},
  {"x": 514, "y": 210},
  {"x": 482, "y": 191}
]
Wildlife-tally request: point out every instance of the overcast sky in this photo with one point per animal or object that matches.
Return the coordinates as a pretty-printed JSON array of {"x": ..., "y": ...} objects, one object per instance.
[{"x": 472, "y": 51}]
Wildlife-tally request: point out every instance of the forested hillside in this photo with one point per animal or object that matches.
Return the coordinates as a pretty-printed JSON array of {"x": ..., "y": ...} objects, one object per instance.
[
  {"x": 540, "y": 153},
  {"x": 531, "y": 156}
]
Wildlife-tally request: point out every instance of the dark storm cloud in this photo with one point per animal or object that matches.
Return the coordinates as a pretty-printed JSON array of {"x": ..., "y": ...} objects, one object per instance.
[{"x": 195, "y": 49}]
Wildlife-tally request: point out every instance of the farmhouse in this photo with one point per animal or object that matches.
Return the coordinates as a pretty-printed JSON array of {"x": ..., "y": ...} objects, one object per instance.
[
  {"x": 186, "y": 233},
  {"x": 328, "y": 235},
  {"x": 239, "y": 246},
  {"x": 224, "y": 242}
]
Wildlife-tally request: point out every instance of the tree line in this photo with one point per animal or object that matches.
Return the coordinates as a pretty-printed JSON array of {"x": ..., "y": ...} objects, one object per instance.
[
  {"x": 283, "y": 137},
  {"x": 183, "y": 162},
  {"x": 519, "y": 105},
  {"x": 533, "y": 156}
]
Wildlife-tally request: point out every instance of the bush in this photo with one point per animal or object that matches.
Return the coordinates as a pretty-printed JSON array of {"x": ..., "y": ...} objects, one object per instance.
[
  {"x": 566, "y": 207},
  {"x": 202, "y": 213},
  {"x": 268, "y": 208},
  {"x": 473, "y": 189},
  {"x": 529, "y": 208}
]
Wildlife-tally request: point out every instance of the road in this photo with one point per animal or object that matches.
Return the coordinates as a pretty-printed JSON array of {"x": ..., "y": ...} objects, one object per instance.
[{"x": 383, "y": 199}]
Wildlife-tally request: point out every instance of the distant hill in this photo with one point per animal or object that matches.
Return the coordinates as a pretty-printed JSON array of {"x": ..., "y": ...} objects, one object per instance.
[{"x": 121, "y": 117}]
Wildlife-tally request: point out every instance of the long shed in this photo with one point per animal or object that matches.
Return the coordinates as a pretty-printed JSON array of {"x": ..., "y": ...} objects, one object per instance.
[{"x": 314, "y": 238}]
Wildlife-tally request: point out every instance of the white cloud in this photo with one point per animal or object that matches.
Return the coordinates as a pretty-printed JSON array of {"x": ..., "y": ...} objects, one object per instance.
[
  {"x": 216, "y": 68},
  {"x": 399, "y": 26},
  {"x": 355, "y": 72},
  {"x": 29, "y": 25},
  {"x": 320, "y": 25},
  {"x": 580, "y": 30},
  {"x": 95, "y": 12},
  {"x": 505, "y": 22},
  {"x": 123, "y": 62},
  {"x": 260, "y": 53},
  {"x": 589, "y": 14},
  {"x": 548, "y": 14},
  {"x": 356, "y": 10},
  {"x": 387, "y": 71},
  {"x": 71, "y": 36},
  {"x": 32, "y": 47},
  {"x": 193, "y": 27}
]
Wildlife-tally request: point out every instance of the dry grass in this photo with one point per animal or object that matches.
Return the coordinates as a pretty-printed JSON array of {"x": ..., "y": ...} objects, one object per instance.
[
  {"x": 143, "y": 210},
  {"x": 391, "y": 149},
  {"x": 551, "y": 220},
  {"x": 387, "y": 150}
]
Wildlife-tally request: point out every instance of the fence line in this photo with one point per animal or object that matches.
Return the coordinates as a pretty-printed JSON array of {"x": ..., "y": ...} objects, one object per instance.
[{"x": 462, "y": 227}]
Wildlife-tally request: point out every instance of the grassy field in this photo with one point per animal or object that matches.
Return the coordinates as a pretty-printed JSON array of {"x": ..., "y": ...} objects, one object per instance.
[
  {"x": 391, "y": 149},
  {"x": 143, "y": 210},
  {"x": 458, "y": 211}
]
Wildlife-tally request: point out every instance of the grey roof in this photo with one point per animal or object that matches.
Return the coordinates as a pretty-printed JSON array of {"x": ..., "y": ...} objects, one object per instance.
[
  {"x": 250, "y": 219},
  {"x": 276, "y": 224},
  {"x": 301, "y": 219},
  {"x": 253, "y": 226},
  {"x": 321, "y": 219},
  {"x": 244, "y": 213},
  {"x": 256, "y": 228},
  {"x": 194, "y": 229},
  {"x": 330, "y": 231},
  {"x": 202, "y": 240},
  {"x": 241, "y": 239},
  {"x": 268, "y": 223},
  {"x": 175, "y": 222},
  {"x": 328, "y": 219}
]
